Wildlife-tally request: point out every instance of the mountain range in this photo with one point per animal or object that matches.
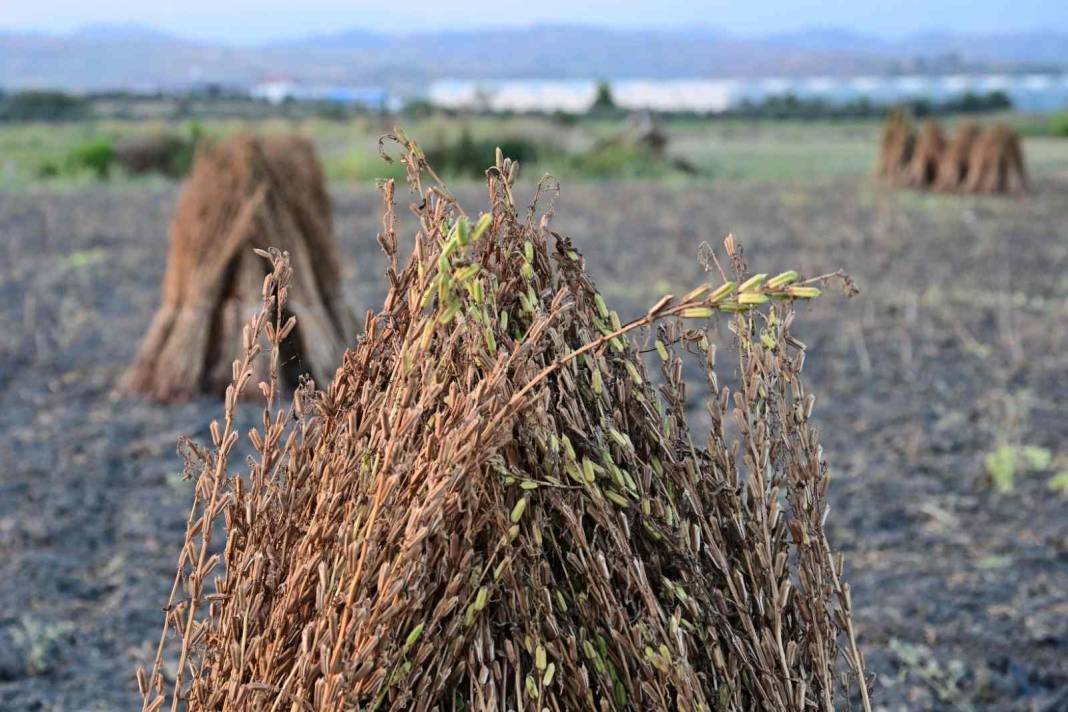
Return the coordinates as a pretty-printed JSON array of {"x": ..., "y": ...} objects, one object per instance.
[{"x": 104, "y": 57}]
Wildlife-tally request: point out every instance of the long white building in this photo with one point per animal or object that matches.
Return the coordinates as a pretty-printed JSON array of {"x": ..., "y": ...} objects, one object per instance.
[{"x": 1028, "y": 92}]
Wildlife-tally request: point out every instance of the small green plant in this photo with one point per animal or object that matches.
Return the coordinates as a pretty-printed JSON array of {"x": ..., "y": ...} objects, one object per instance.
[
  {"x": 618, "y": 160},
  {"x": 467, "y": 156},
  {"x": 85, "y": 258},
  {"x": 39, "y": 640},
  {"x": 95, "y": 155},
  {"x": 48, "y": 169},
  {"x": 1058, "y": 124},
  {"x": 1008, "y": 461},
  {"x": 944, "y": 679},
  {"x": 1059, "y": 482}
]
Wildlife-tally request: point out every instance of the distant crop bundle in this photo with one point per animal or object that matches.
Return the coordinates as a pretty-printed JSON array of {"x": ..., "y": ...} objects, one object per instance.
[
  {"x": 492, "y": 507},
  {"x": 953, "y": 168},
  {"x": 162, "y": 153},
  {"x": 996, "y": 164},
  {"x": 243, "y": 193},
  {"x": 926, "y": 156},
  {"x": 973, "y": 160},
  {"x": 895, "y": 148}
]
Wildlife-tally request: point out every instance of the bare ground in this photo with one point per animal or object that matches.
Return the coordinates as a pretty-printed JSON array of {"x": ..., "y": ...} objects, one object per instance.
[{"x": 956, "y": 345}]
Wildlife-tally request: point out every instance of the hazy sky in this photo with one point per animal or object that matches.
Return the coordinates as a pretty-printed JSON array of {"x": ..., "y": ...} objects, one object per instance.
[{"x": 250, "y": 21}]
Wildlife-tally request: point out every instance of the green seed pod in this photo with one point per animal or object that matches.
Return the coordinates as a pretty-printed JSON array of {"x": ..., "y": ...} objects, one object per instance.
[
  {"x": 428, "y": 295},
  {"x": 481, "y": 598},
  {"x": 428, "y": 333},
  {"x": 518, "y": 509},
  {"x": 753, "y": 282},
  {"x": 449, "y": 313},
  {"x": 803, "y": 292},
  {"x": 697, "y": 293},
  {"x": 721, "y": 292},
  {"x": 568, "y": 448},
  {"x": 414, "y": 635},
  {"x": 782, "y": 279},
  {"x": 560, "y": 602},
  {"x": 602, "y": 308},
  {"x": 481, "y": 226},
  {"x": 550, "y": 672},
  {"x": 662, "y": 350},
  {"x": 465, "y": 273},
  {"x": 620, "y": 692},
  {"x": 587, "y": 470},
  {"x": 462, "y": 233}
]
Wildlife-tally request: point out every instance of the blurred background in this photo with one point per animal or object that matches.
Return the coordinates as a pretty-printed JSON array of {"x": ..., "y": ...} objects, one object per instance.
[
  {"x": 731, "y": 85},
  {"x": 942, "y": 387}
]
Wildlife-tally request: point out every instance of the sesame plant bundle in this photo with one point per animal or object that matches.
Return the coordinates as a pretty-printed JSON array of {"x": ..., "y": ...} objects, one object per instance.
[
  {"x": 493, "y": 507},
  {"x": 244, "y": 192},
  {"x": 895, "y": 148},
  {"x": 996, "y": 163},
  {"x": 953, "y": 168},
  {"x": 927, "y": 155}
]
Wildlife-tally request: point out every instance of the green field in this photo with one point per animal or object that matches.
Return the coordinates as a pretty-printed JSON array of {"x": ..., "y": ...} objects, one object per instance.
[{"x": 729, "y": 149}]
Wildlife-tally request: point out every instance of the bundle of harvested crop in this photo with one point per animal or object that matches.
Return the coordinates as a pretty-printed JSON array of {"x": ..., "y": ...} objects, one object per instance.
[
  {"x": 245, "y": 192},
  {"x": 493, "y": 508}
]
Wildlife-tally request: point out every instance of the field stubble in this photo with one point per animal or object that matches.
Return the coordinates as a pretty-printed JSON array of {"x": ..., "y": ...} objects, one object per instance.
[{"x": 955, "y": 346}]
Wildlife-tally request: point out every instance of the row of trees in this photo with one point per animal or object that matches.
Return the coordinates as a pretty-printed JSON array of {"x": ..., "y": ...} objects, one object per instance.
[
  {"x": 60, "y": 106},
  {"x": 42, "y": 106},
  {"x": 790, "y": 106}
]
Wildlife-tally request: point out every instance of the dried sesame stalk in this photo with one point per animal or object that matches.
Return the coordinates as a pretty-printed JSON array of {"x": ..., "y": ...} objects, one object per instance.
[{"x": 493, "y": 507}]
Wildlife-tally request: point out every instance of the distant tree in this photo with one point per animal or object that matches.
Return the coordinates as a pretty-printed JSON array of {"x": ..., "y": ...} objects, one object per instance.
[
  {"x": 1001, "y": 100},
  {"x": 42, "y": 106},
  {"x": 418, "y": 109},
  {"x": 603, "y": 101},
  {"x": 332, "y": 111},
  {"x": 564, "y": 118}
]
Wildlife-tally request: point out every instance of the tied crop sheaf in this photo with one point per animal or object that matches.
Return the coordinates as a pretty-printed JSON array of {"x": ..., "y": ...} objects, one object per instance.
[{"x": 493, "y": 507}]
